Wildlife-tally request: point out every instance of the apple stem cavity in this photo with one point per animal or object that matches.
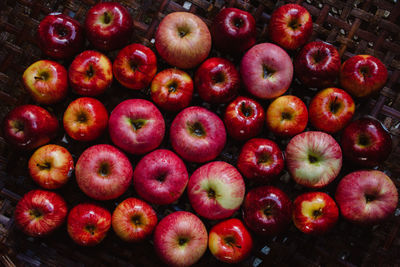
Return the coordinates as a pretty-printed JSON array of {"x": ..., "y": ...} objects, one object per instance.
[
  {"x": 317, "y": 213},
  {"x": 211, "y": 193},
  {"x": 312, "y": 158},
  {"x": 238, "y": 22},
  {"x": 294, "y": 24},
  {"x": 43, "y": 76},
  {"x": 246, "y": 110},
  {"x": 267, "y": 72},
  {"x": 369, "y": 198},
  {"x": 35, "y": 213},
  {"x": 286, "y": 116},
  {"x": 183, "y": 31},
  {"x": 182, "y": 241},
  {"x": 18, "y": 125},
  {"x": 263, "y": 158},
  {"x": 267, "y": 211},
  {"x": 137, "y": 124},
  {"x": 82, "y": 117},
  {"x": 90, "y": 229},
  {"x": 90, "y": 71},
  {"x": 197, "y": 129},
  {"x": 219, "y": 77},
  {"x": 104, "y": 169},
  {"x": 136, "y": 220},
  {"x": 318, "y": 56},
  {"x": 363, "y": 140},
  {"x": 334, "y": 106},
  {"x": 172, "y": 87},
  {"x": 44, "y": 166},
  {"x": 106, "y": 18}
]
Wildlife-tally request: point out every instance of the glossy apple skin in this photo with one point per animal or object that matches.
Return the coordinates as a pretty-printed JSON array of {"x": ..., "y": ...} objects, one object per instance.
[
  {"x": 290, "y": 26},
  {"x": 260, "y": 160},
  {"x": 197, "y": 134},
  {"x": 112, "y": 35},
  {"x": 88, "y": 224},
  {"x": 366, "y": 197},
  {"x": 313, "y": 159},
  {"x": 51, "y": 166},
  {"x": 217, "y": 80},
  {"x": 216, "y": 190},
  {"x": 90, "y": 73},
  {"x": 233, "y": 30},
  {"x": 180, "y": 227},
  {"x": 46, "y": 81},
  {"x": 134, "y": 220},
  {"x": 331, "y": 110},
  {"x": 266, "y": 71},
  {"x": 317, "y": 65},
  {"x": 135, "y": 66},
  {"x": 172, "y": 89},
  {"x": 287, "y": 116},
  {"x": 29, "y": 126},
  {"x": 40, "y": 212},
  {"x": 184, "y": 52},
  {"x": 365, "y": 142},
  {"x": 363, "y": 75},
  {"x": 136, "y": 126},
  {"x": 267, "y": 210},
  {"x": 305, "y": 209},
  {"x": 229, "y": 241},
  {"x": 60, "y": 36},
  {"x": 244, "y": 118},
  {"x": 160, "y": 177},
  {"x": 103, "y": 172}
]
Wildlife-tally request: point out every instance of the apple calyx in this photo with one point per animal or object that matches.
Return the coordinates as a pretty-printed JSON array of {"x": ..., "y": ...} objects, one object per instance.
[
  {"x": 197, "y": 129},
  {"x": 137, "y": 124}
]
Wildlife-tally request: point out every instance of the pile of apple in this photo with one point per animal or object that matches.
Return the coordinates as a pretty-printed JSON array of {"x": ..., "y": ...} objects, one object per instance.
[{"x": 216, "y": 190}]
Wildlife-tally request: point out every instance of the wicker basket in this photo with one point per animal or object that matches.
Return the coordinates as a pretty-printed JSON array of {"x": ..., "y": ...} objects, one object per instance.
[{"x": 353, "y": 26}]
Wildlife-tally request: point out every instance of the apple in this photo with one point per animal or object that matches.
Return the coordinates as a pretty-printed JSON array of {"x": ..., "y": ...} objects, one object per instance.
[
  {"x": 108, "y": 26},
  {"x": 160, "y": 177},
  {"x": 233, "y": 30},
  {"x": 363, "y": 75},
  {"x": 229, "y": 241},
  {"x": 183, "y": 40},
  {"x": 317, "y": 65},
  {"x": 266, "y": 71},
  {"x": 135, "y": 66},
  {"x": 197, "y": 134},
  {"x": 366, "y": 197},
  {"x": 267, "y": 210},
  {"x": 217, "y": 80},
  {"x": 290, "y": 26},
  {"x": 180, "y": 239},
  {"x": 51, "y": 166},
  {"x": 39, "y": 212},
  {"x": 313, "y": 159},
  {"x": 46, "y": 81},
  {"x": 314, "y": 213},
  {"x": 287, "y": 116},
  {"x": 103, "y": 172},
  {"x": 133, "y": 220},
  {"x": 260, "y": 160},
  {"x": 136, "y": 126},
  {"x": 90, "y": 73},
  {"x": 244, "y": 118},
  {"x": 216, "y": 190},
  {"x": 85, "y": 119},
  {"x": 60, "y": 36},
  {"x": 29, "y": 126},
  {"x": 172, "y": 89},
  {"x": 88, "y": 224},
  {"x": 365, "y": 142},
  {"x": 331, "y": 110}
]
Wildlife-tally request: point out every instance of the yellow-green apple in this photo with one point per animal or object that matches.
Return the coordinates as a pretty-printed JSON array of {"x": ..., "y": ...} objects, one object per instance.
[
  {"x": 197, "y": 134},
  {"x": 216, "y": 190},
  {"x": 313, "y": 159},
  {"x": 51, "y": 166},
  {"x": 103, "y": 172},
  {"x": 180, "y": 239},
  {"x": 136, "y": 126},
  {"x": 183, "y": 40},
  {"x": 266, "y": 71}
]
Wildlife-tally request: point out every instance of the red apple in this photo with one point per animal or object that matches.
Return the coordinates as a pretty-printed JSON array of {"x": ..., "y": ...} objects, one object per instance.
[
  {"x": 229, "y": 241},
  {"x": 217, "y": 80},
  {"x": 134, "y": 220},
  {"x": 51, "y": 166},
  {"x": 136, "y": 126},
  {"x": 363, "y": 75},
  {"x": 40, "y": 212},
  {"x": 290, "y": 26},
  {"x": 197, "y": 134},
  {"x": 135, "y": 66},
  {"x": 216, "y": 190},
  {"x": 180, "y": 239},
  {"x": 287, "y": 116},
  {"x": 103, "y": 172},
  {"x": 108, "y": 26},
  {"x": 183, "y": 40},
  {"x": 172, "y": 89},
  {"x": 90, "y": 73},
  {"x": 244, "y": 118},
  {"x": 266, "y": 71}
]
